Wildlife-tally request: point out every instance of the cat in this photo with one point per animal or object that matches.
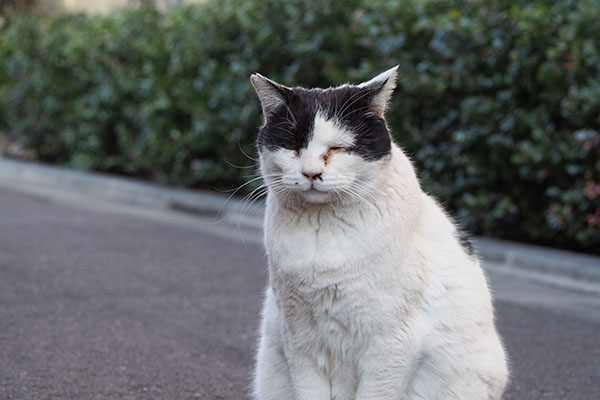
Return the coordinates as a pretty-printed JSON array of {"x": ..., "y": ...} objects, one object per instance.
[{"x": 374, "y": 293}]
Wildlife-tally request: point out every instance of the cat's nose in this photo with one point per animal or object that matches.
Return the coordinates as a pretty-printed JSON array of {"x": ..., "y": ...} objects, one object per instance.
[{"x": 312, "y": 175}]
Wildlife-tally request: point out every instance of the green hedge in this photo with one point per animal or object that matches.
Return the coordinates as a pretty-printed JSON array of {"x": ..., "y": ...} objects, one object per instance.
[{"x": 498, "y": 101}]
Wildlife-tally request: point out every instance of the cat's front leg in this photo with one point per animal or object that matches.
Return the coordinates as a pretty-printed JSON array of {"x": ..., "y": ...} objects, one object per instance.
[
  {"x": 386, "y": 368},
  {"x": 309, "y": 383}
]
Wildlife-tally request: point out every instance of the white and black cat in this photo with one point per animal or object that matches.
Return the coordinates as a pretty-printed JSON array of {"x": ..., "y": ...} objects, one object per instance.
[{"x": 373, "y": 293}]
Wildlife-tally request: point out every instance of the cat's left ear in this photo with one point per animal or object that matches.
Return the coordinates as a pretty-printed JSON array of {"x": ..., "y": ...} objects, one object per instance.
[
  {"x": 382, "y": 88},
  {"x": 270, "y": 93}
]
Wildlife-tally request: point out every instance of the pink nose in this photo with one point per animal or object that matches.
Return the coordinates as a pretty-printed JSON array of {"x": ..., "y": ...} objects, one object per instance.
[{"x": 312, "y": 175}]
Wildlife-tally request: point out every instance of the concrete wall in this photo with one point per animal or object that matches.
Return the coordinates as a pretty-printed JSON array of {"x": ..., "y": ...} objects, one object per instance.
[
  {"x": 98, "y": 6},
  {"x": 92, "y": 6}
]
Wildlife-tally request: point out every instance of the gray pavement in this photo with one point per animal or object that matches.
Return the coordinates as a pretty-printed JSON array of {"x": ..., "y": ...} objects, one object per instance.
[{"x": 101, "y": 300}]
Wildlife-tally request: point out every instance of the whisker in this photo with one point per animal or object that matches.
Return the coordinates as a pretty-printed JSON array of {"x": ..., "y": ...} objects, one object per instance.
[
  {"x": 256, "y": 160},
  {"x": 239, "y": 166},
  {"x": 231, "y": 195}
]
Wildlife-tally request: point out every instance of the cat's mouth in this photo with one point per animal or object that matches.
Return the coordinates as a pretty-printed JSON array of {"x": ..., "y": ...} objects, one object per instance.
[{"x": 314, "y": 188}]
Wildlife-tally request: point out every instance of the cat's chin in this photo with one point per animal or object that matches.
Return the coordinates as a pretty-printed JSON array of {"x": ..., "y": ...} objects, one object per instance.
[{"x": 313, "y": 195}]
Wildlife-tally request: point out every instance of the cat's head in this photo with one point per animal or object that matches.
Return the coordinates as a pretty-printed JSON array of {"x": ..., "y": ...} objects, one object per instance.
[{"x": 324, "y": 145}]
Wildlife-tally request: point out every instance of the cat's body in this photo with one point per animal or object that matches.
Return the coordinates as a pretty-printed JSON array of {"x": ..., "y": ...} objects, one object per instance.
[{"x": 371, "y": 295}]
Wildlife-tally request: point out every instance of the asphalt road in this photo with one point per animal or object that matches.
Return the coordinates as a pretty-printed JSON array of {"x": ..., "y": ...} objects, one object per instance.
[{"x": 105, "y": 301}]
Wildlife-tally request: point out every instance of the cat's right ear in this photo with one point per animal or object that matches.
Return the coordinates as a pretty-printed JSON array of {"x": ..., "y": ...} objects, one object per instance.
[
  {"x": 270, "y": 93},
  {"x": 381, "y": 87}
]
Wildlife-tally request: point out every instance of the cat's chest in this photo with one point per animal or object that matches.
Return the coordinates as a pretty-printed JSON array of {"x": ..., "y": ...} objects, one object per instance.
[
  {"x": 326, "y": 318},
  {"x": 327, "y": 271},
  {"x": 321, "y": 241}
]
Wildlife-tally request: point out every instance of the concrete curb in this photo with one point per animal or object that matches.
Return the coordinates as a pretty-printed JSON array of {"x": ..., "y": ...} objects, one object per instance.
[
  {"x": 131, "y": 191},
  {"x": 532, "y": 259},
  {"x": 544, "y": 259}
]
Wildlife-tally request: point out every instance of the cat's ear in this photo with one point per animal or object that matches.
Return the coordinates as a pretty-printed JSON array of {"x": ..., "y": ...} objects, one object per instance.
[
  {"x": 382, "y": 88},
  {"x": 270, "y": 93}
]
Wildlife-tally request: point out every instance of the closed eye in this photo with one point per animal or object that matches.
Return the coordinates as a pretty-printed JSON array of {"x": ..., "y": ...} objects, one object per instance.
[{"x": 332, "y": 150}]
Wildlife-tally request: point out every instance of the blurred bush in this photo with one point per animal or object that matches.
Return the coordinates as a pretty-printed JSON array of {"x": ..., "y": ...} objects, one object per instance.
[{"x": 498, "y": 101}]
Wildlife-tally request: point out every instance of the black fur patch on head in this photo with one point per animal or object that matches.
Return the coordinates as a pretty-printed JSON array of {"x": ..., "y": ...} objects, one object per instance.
[{"x": 291, "y": 124}]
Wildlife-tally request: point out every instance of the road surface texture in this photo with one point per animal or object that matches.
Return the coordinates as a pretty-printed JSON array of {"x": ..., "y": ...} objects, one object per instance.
[{"x": 106, "y": 301}]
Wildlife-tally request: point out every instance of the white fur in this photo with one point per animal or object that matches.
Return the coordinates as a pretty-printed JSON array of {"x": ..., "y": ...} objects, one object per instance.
[{"x": 371, "y": 295}]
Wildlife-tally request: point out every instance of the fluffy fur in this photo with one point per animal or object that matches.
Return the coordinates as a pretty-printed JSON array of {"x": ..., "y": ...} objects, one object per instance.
[{"x": 371, "y": 293}]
